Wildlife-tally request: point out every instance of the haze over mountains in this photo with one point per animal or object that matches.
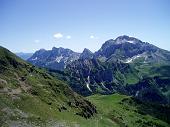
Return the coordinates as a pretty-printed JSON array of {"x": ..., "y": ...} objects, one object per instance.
[{"x": 24, "y": 56}]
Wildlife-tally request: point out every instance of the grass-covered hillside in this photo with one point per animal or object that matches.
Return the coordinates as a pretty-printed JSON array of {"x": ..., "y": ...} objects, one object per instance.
[
  {"x": 123, "y": 111},
  {"x": 31, "y": 97}
]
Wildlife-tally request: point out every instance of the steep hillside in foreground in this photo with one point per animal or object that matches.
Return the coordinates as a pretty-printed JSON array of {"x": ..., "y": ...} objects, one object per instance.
[{"x": 31, "y": 97}]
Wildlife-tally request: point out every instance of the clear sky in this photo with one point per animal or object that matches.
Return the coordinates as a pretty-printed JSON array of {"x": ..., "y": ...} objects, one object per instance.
[{"x": 29, "y": 25}]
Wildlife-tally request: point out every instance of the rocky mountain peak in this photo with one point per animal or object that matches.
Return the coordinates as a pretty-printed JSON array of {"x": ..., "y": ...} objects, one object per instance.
[
  {"x": 108, "y": 43},
  {"x": 86, "y": 51},
  {"x": 123, "y": 37},
  {"x": 41, "y": 50},
  {"x": 120, "y": 40},
  {"x": 86, "y": 54},
  {"x": 126, "y": 39},
  {"x": 57, "y": 58},
  {"x": 55, "y": 48}
]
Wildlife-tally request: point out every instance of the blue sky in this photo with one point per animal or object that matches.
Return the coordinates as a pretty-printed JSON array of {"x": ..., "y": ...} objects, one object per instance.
[{"x": 29, "y": 25}]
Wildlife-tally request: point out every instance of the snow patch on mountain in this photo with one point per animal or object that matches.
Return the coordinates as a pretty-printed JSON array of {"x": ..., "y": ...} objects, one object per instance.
[
  {"x": 88, "y": 83},
  {"x": 130, "y": 60},
  {"x": 58, "y": 59},
  {"x": 120, "y": 41},
  {"x": 34, "y": 58},
  {"x": 104, "y": 86},
  {"x": 130, "y": 41}
]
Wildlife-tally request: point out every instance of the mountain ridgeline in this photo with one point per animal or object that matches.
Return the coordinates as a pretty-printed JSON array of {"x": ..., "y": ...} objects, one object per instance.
[
  {"x": 124, "y": 48},
  {"x": 125, "y": 65}
]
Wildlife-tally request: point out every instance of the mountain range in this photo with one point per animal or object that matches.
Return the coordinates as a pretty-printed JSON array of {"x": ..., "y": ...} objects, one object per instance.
[
  {"x": 56, "y": 59},
  {"x": 125, "y": 64},
  {"x": 125, "y": 83},
  {"x": 123, "y": 48}
]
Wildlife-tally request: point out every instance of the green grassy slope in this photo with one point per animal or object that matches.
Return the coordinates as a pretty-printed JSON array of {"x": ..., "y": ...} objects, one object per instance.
[
  {"x": 157, "y": 72},
  {"x": 31, "y": 97},
  {"x": 124, "y": 111}
]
